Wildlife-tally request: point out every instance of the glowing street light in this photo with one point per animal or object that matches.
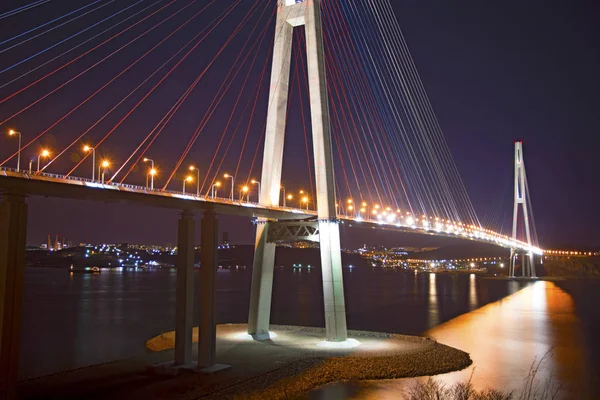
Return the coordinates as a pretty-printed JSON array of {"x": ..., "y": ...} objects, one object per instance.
[
  {"x": 188, "y": 179},
  {"x": 44, "y": 153},
  {"x": 102, "y": 168},
  {"x": 305, "y": 201},
  {"x": 288, "y": 197},
  {"x": 151, "y": 175},
  {"x": 192, "y": 168},
  {"x": 13, "y": 133},
  {"x": 244, "y": 190},
  {"x": 147, "y": 160},
  {"x": 214, "y": 191},
  {"x": 255, "y": 182},
  {"x": 232, "y": 183},
  {"x": 87, "y": 149}
]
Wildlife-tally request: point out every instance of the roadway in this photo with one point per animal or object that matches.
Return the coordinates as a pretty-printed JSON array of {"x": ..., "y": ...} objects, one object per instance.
[{"x": 68, "y": 187}]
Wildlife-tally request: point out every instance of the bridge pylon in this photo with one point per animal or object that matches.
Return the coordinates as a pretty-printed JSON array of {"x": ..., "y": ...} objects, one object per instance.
[
  {"x": 521, "y": 197},
  {"x": 291, "y": 14}
]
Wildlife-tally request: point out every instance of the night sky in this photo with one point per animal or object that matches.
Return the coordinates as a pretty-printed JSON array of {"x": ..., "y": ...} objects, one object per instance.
[{"x": 495, "y": 72}]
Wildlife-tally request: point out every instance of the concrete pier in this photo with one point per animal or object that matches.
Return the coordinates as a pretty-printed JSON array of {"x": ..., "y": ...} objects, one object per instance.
[
  {"x": 185, "y": 290},
  {"x": 13, "y": 236},
  {"x": 208, "y": 264},
  {"x": 262, "y": 284}
]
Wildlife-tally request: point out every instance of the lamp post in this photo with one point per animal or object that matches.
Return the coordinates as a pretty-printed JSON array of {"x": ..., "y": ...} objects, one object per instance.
[
  {"x": 152, "y": 173},
  {"x": 146, "y": 160},
  {"x": 244, "y": 190},
  {"x": 44, "y": 153},
  {"x": 232, "y": 183},
  {"x": 216, "y": 185},
  {"x": 13, "y": 133},
  {"x": 192, "y": 168},
  {"x": 102, "y": 168},
  {"x": 349, "y": 207},
  {"x": 186, "y": 180},
  {"x": 87, "y": 149},
  {"x": 289, "y": 197},
  {"x": 305, "y": 201},
  {"x": 30, "y": 165},
  {"x": 255, "y": 182}
]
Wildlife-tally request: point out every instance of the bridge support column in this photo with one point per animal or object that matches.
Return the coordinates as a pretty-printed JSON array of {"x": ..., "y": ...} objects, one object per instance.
[
  {"x": 185, "y": 290},
  {"x": 333, "y": 285},
  {"x": 262, "y": 284},
  {"x": 511, "y": 264},
  {"x": 13, "y": 236},
  {"x": 207, "y": 331}
]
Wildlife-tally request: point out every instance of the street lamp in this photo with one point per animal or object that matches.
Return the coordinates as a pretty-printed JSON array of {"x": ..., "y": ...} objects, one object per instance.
[
  {"x": 232, "y": 183},
  {"x": 243, "y": 191},
  {"x": 305, "y": 201},
  {"x": 146, "y": 160},
  {"x": 192, "y": 168},
  {"x": 151, "y": 174},
  {"x": 87, "y": 149},
  {"x": 216, "y": 185},
  {"x": 13, "y": 133},
  {"x": 187, "y": 179},
  {"x": 44, "y": 153},
  {"x": 255, "y": 182},
  {"x": 103, "y": 166},
  {"x": 289, "y": 197}
]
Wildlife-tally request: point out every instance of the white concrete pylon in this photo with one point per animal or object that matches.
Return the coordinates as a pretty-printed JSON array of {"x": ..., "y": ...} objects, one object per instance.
[
  {"x": 290, "y": 14},
  {"x": 521, "y": 197}
]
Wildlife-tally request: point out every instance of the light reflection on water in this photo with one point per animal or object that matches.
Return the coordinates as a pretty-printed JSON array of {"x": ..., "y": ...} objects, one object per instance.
[
  {"x": 97, "y": 318},
  {"x": 434, "y": 312},
  {"x": 504, "y": 339}
]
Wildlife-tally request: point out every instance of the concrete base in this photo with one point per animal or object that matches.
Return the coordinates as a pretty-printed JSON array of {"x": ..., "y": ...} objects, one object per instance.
[{"x": 261, "y": 336}]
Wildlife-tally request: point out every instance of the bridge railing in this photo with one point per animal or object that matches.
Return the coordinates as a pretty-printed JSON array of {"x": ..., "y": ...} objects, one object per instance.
[{"x": 471, "y": 234}]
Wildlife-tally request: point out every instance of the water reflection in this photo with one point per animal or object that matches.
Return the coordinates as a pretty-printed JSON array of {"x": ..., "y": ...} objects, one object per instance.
[
  {"x": 472, "y": 292},
  {"x": 434, "y": 311},
  {"x": 504, "y": 339}
]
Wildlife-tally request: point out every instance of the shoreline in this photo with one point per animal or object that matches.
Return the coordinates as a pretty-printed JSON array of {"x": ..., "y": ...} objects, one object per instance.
[{"x": 289, "y": 365}]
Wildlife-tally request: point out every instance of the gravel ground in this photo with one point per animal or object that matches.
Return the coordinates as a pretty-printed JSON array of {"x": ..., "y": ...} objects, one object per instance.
[{"x": 285, "y": 367}]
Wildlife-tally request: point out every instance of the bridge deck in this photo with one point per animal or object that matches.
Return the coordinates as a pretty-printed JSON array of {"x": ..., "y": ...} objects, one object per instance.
[{"x": 51, "y": 185}]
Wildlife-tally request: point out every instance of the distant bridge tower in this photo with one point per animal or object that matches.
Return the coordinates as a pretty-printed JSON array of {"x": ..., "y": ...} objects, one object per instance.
[
  {"x": 291, "y": 14},
  {"x": 522, "y": 198}
]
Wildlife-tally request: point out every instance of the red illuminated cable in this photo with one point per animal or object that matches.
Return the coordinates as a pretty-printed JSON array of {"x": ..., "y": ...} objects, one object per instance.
[
  {"x": 239, "y": 123},
  {"x": 150, "y": 92},
  {"x": 333, "y": 66},
  {"x": 344, "y": 95},
  {"x": 252, "y": 113},
  {"x": 175, "y": 108},
  {"x": 366, "y": 89},
  {"x": 231, "y": 114},
  {"x": 214, "y": 104},
  {"x": 137, "y": 105},
  {"x": 258, "y": 146},
  {"x": 113, "y": 79},
  {"x": 86, "y": 53},
  {"x": 72, "y": 79},
  {"x": 360, "y": 85},
  {"x": 215, "y": 101}
]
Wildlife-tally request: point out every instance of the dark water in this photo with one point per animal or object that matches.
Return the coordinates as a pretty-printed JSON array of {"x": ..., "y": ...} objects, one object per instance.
[{"x": 76, "y": 320}]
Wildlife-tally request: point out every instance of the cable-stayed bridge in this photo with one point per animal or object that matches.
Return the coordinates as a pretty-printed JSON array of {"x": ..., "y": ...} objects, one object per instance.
[{"x": 170, "y": 104}]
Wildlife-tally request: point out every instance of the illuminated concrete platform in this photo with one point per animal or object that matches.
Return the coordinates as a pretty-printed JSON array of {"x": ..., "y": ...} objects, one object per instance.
[{"x": 294, "y": 361}]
